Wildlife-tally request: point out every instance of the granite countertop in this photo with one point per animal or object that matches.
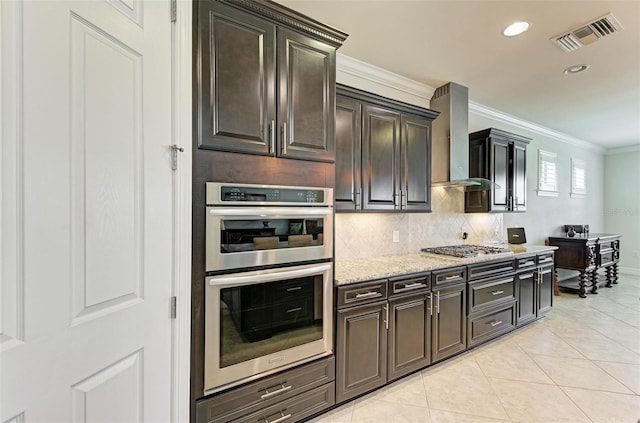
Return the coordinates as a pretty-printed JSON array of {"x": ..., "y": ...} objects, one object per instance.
[{"x": 370, "y": 268}]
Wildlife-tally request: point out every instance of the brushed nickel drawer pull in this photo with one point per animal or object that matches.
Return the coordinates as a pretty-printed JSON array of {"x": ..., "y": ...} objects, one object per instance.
[
  {"x": 495, "y": 323},
  {"x": 293, "y": 310},
  {"x": 368, "y": 295},
  {"x": 526, "y": 276},
  {"x": 295, "y": 288},
  {"x": 414, "y": 285},
  {"x": 452, "y": 277},
  {"x": 497, "y": 292},
  {"x": 278, "y": 392},
  {"x": 279, "y": 419}
]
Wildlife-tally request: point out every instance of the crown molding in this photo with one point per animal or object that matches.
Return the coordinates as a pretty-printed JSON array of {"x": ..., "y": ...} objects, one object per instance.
[
  {"x": 359, "y": 69},
  {"x": 621, "y": 150},
  {"x": 485, "y": 111},
  {"x": 363, "y": 70}
]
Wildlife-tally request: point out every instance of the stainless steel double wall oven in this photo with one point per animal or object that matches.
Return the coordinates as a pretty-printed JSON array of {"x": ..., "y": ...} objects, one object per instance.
[{"x": 269, "y": 283}]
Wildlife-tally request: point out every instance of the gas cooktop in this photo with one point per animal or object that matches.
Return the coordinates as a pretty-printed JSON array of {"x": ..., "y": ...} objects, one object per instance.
[{"x": 466, "y": 251}]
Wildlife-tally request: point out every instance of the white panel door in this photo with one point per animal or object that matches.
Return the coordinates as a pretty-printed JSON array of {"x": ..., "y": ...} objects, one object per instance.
[{"x": 86, "y": 211}]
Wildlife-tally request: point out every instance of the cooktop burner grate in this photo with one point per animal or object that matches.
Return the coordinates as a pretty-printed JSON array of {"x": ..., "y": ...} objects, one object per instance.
[{"x": 466, "y": 251}]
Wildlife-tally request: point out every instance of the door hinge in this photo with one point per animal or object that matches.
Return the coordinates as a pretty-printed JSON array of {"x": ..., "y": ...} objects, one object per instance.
[
  {"x": 174, "y": 156},
  {"x": 174, "y": 307},
  {"x": 174, "y": 9}
]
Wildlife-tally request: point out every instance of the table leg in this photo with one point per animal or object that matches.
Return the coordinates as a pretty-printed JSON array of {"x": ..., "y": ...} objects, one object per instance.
[
  {"x": 609, "y": 272},
  {"x": 583, "y": 284},
  {"x": 594, "y": 282},
  {"x": 615, "y": 273}
]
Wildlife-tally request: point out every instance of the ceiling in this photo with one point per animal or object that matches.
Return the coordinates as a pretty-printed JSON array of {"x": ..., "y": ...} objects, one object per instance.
[{"x": 435, "y": 42}]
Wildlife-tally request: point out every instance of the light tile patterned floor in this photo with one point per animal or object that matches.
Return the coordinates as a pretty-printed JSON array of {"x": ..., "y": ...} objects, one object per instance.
[{"x": 581, "y": 363}]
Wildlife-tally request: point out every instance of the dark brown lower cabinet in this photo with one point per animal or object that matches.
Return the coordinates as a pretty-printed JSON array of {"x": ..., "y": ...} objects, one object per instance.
[
  {"x": 361, "y": 350},
  {"x": 449, "y": 323},
  {"x": 300, "y": 392},
  {"x": 409, "y": 337},
  {"x": 534, "y": 291},
  {"x": 544, "y": 275}
]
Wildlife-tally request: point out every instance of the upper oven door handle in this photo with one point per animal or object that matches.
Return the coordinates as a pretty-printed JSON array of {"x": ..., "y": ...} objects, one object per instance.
[
  {"x": 269, "y": 211},
  {"x": 270, "y": 275}
]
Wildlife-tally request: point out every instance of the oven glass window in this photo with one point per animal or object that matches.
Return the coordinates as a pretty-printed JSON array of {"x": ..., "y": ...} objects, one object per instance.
[
  {"x": 265, "y": 318},
  {"x": 270, "y": 234}
]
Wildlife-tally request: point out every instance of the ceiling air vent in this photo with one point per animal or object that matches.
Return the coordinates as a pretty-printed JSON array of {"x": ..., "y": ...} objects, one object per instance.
[{"x": 587, "y": 34}]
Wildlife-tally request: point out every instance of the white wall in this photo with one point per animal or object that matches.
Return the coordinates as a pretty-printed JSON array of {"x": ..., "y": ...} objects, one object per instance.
[
  {"x": 622, "y": 204},
  {"x": 365, "y": 235}
]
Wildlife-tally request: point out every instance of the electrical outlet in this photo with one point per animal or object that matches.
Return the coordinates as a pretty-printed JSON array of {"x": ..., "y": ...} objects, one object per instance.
[{"x": 396, "y": 236}]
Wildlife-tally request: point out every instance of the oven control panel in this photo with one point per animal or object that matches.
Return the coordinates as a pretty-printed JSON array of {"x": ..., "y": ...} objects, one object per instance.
[{"x": 241, "y": 194}]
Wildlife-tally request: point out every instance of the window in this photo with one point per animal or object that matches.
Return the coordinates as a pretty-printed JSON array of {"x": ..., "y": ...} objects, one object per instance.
[
  {"x": 547, "y": 174},
  {"x": 578, "y": 178}
]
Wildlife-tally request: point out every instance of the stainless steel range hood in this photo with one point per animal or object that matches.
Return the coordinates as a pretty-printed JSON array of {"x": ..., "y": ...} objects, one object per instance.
[{"x": 450, "y": 147}]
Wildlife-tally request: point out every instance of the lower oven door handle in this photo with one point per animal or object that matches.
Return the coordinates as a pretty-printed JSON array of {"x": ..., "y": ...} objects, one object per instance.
[{"x": 269, "y": 275}]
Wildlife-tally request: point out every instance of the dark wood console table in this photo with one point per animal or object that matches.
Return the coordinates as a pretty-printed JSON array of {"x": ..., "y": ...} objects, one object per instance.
[{"x": 587, "y": 254}]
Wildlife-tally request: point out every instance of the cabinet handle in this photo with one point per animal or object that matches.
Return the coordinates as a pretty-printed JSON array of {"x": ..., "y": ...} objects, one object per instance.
[
  {"x": 272, "y": 136},
  {"x": 413, "y": 285},
  {"x": 430, "y": 304},
  {"x": 438, "y": 304},
  {"x": 284, "y": 138},
  {"x": 403, "y": 199},
  {"x": 395, "y": 201},
  {"x": 452, "y": 277},
  {"x": 526, "y": 276},
  {"x": 495, "y": 323},
  {"x": 293, "y": 310},
  {"x": 371, "y": 294},
  {"x": 497, "y": 292},
  {"x": 386, "y": 319},
  {"x": 278, "y": 392},
  {"x": 295, "y": 288},
  {"x": 279, "y": 419}
]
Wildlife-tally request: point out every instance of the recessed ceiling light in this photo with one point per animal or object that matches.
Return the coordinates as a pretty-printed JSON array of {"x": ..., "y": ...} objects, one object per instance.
[
  {"x": 575, "y": 69},
  {"x": 516, "y": 28}
]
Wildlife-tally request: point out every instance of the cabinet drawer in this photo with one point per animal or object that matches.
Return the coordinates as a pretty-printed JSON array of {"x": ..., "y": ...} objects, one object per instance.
[
  {"x": 362, "y": 293},
  {"x": 409, "y": 284},
  {"x": 265, "y": 392},
  {"x": 293, "y": 409},
  {"x": 483, "y": 295},
  {"x": 296, "y": 310},
  {"x": 493, "y": 323},
  {"x": 526, "y": 263},
  {"x": 449, "y": 276},
  {"x": 486, "y": 270},
  {"x": 545, "y": 258}
]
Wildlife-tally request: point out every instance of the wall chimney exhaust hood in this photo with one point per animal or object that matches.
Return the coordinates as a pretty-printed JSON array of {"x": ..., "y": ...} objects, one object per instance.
[{"x": 450, "y": 134}]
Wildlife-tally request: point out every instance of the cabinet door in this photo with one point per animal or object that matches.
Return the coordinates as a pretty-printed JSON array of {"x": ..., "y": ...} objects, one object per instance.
[
  {"x": 519, "y": 183},
  {"x": 449, "y": 334},
  {"x": 361, "y": 350},
  {"x": 307, "y": 75},
  {"x": 499, "y": 171},
  {"x": 545, "y": 290},
  {"x": 409, "y": 335},
  {"x": 348, "y": 153},
  {"x": 236, "y": 90},
  {"x": 478, "y": 201},
  {"x": 416, "y": 164},
  {"x": 380, "y": 159},
  {"x": 526, "y": 294}
]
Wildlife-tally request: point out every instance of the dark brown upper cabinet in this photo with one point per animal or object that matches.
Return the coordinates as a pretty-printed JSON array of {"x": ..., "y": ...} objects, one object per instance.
[
  {"x": 265, "y": 80},
  {"x": 383, "y": 158},
  {"x": 501, "y": 157}
]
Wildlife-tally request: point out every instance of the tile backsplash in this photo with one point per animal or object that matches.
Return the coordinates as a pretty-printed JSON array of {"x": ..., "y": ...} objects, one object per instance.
[{"x": 371, "y": 234}]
